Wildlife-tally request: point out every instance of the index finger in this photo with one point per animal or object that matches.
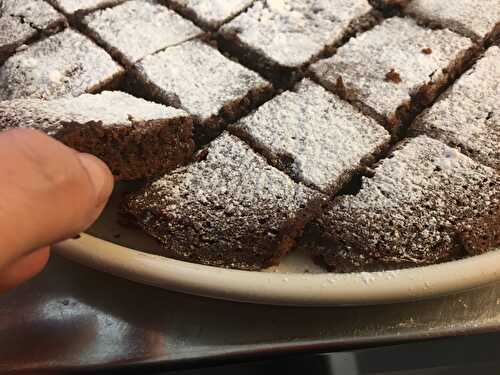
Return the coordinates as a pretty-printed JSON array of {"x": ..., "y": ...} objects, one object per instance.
[{"x": 48, "y": 192}]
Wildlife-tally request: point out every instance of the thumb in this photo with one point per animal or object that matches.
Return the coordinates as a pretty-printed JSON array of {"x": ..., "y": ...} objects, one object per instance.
[{"x": 49, "y": 192}]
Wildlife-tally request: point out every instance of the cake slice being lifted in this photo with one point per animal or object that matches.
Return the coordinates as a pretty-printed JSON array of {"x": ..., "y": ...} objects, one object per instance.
[
  {"x": 228, "y": 209},
  {"x": 426, "y": 204},
  {"x": 134, "y": 137}
]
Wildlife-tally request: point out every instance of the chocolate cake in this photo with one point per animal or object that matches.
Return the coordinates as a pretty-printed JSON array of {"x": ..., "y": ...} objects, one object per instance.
[
  {"x": 228, "y": 209},
  {"x": 23, "y": 21},
  {"x": 468, "y": 114},
  {"x": 426, "y": 204},
  {"x": 276, "y": 37},
  {"x": 385, "y": 72},
  {"x": 196, "y": 77},
  {"x": 313, "y": 136},
  {"x": 67, "y": 63},
  {"x": 134, "y": 137},
  {"x": 374, "y": 124},
  {"x": 210, "y": 14},
  {"x": 478, "y": 19},
  {"x": 135, "y": 29},
  {"x": 78, "y": 8}
]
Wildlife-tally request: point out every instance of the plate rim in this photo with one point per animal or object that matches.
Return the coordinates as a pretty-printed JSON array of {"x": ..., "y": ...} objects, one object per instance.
[{"x": 285, "y": 289}]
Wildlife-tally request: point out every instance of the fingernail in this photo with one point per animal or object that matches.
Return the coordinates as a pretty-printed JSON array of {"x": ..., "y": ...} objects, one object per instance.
[{"x": 100, "y": 175}]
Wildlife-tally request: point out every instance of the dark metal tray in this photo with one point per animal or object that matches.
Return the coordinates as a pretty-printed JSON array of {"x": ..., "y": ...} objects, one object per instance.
[{"x": 71, "y": 317}]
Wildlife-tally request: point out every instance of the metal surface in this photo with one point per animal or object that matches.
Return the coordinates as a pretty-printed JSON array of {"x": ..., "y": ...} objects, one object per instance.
[{"x": 74, "y": 317}]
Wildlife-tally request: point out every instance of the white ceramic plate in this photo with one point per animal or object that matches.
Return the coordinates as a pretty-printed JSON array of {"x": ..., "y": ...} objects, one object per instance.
[{"x": 297, "y": 281}]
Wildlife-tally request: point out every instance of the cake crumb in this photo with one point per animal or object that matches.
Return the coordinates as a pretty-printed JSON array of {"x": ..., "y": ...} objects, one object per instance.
[
  {"x": 427, "y": 51},
  {"x": 393, "y": 76}
]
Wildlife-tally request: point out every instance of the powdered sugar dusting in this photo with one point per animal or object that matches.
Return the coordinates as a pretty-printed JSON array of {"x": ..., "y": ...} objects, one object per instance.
[
  {"x": 291, "y": 32},
  {"x": 468, "y": 115},
  {"x": 214, "y": 12},
  {"x": 36, "y": 14},
  {"x": 110, "y": 108},
  {"x": 412, "y": 212},
  {"x": 473, "y": 18},
  {"x": 227, "y": 209},
  {"x": 22, "y": 20},
  {"x": 73, "y": 6},
  {"x": 395, "y": 45},
  {"x": 199, "y": 76},
  {"x": 325, "y": 137},
  {"x": 84, "y": 67},
  {"x": 139, "y": 28}
]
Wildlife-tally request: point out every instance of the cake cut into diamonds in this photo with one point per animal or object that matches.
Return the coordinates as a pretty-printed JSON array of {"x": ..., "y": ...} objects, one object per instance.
[
  {"x": 228, "y": 209},
  {"x": 395, "y": 68},
  {"x": 21, "y": 21},
  {"x": 275, "y": 36},
  {"x": 426, "y": 204},
  {"x": 314, "y": 136},
  {"x": 134, "y": 137},
  {"x": 467, "y": 116},
  {"x": 210, "y": 13},
  {"x": 478, "y": 19},
  {"x": 79, "y": 7},
  {"x": 137, "y": 28},
  {"x": 199, "y": 79},
  {"x": 67, "y": 63}
]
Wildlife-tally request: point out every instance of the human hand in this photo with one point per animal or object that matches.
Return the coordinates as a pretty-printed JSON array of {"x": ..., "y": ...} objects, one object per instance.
[{"x": 48, "y": 193}]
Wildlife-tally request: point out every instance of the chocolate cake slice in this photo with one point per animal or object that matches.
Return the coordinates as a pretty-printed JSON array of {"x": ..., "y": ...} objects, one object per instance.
[
  {"x": 23, "y": 21},
  {"x": 67, "y": 63},
  {"x": 277, "y": 36},
  {"x": 210, "y": 14},
  {"x": 426, "y": 204},
  {"x": 395, "y": 68},
  {"x": 467, "y": 116},
  {"x": 196, "y": 77},
  {"x": 228, "y": 209},
  {"x": 478, "y": 19},
  {"x": 136, "y": 29},
  {"x": 134, "y": 137},
  {"x": 77, "y": 8},
  {"x": 314, "y": 136}
]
